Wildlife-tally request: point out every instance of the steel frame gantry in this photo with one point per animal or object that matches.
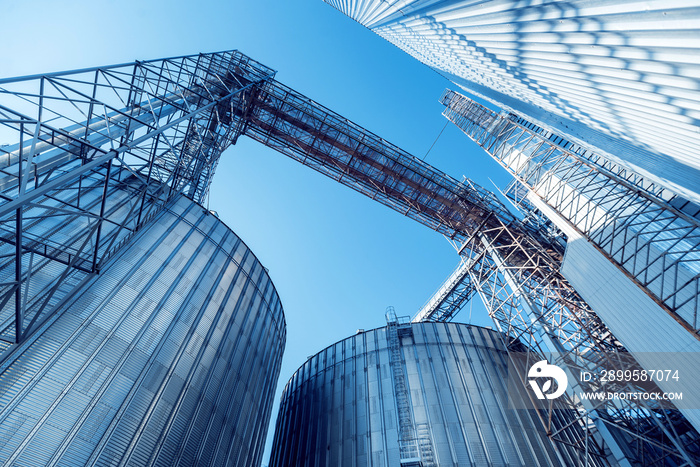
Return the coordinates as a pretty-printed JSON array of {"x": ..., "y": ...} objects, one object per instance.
[
  {"x": 93, "y": 155},
  {"x": 131, "y": 137},
  {"x": 638, "y": 225},
  {"x": 519, "y": 278}
]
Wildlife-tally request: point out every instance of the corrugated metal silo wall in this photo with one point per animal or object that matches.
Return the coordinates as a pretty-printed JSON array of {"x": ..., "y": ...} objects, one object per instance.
[
  {"x": 170, "y": 356},
  {"x": 339, "y": 408},
  {"x": 620, "y": 76}
]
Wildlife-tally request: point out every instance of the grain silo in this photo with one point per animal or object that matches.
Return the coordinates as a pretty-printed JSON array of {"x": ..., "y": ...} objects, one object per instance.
[
  {"x": 169, "y": 356},
  {"x": 410, "y": 394}
]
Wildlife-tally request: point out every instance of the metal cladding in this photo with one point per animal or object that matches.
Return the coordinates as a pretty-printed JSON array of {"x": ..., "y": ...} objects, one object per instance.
[
  {"x": 340, "y": 407},
  {"x": 143, "y": 132},
  {"x": 169, "y": 356},
  {"x": 637, "y": 225},
  {"x": 620, "y": 76},
  {"x": 633, "y": 249},
  {"x": 120, "y": 342}
]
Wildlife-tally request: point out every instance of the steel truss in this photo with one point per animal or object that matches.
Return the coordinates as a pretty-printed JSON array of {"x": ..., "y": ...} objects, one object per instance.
[
  {"x": 533, "y": 305},
  {"x": 294, "y": 125},
  {"x": 449, "y": 299},
  {"x": 93, "y": 154},
  {"x": 634, "y": 223},
  {"x": 475, "y": 219}
]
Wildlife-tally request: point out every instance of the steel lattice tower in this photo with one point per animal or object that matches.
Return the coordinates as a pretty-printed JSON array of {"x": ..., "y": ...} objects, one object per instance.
[{"x": 97, "y": 153}]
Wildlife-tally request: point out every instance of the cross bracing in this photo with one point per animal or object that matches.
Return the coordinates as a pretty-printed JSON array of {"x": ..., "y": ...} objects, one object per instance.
[
  {"x": 95, "y": 153},
  {"x": 632, "y": 221},
  {"x": 449, "y": 299},
  {"x": 476, "y": 220}
]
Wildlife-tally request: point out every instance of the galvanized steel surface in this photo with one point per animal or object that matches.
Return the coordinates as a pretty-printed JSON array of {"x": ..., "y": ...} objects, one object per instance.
[
  {"x": 631, "y": 222},
  {"x": 170, "y": 356},
  {"x": 339, "y": 407},
  {"x": 622, "y": 76},
  {"x": 143, "y": 132}
]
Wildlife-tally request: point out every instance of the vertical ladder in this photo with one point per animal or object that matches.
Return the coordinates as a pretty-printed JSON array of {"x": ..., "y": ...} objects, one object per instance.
[
  {"x": 408, "y": 443},
  {"x": 425, "y": 445}
]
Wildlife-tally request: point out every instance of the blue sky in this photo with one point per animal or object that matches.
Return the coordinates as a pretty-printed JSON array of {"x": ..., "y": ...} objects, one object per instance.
[{"x": 337, "y": 258}]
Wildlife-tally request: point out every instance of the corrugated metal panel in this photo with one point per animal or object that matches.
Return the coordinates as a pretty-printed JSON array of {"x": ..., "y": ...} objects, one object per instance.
[
  {"x": 630, "y": 314},
  {"x": 156, "y": 359},
  {"x": 622, "y": 76},
  {"x": 457, "y": 386}
]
